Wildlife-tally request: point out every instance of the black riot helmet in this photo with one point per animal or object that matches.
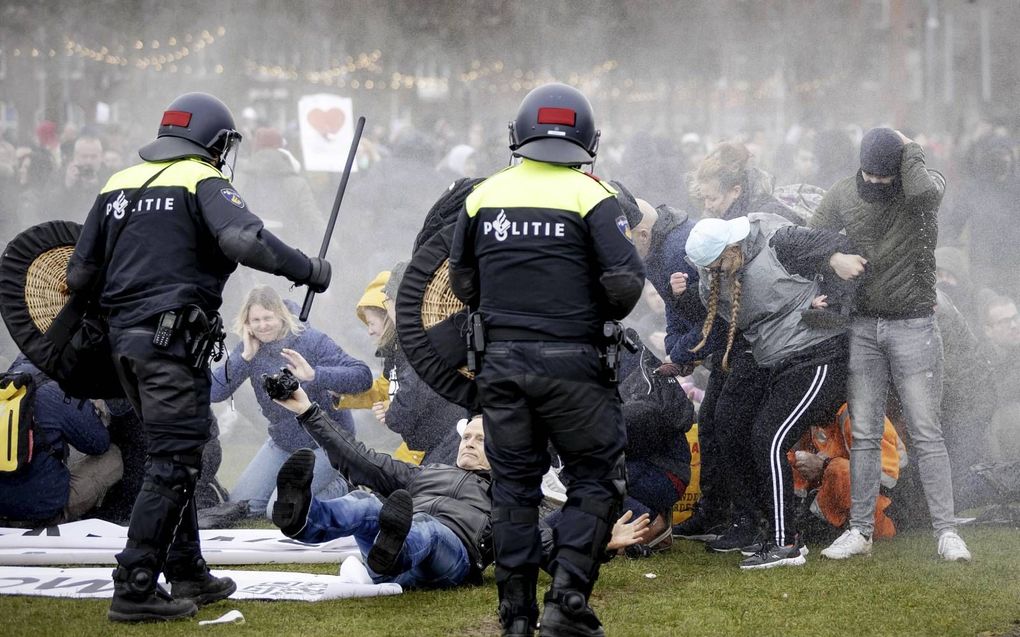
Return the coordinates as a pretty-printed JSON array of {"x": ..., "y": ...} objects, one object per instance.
[
  {"x": 194, "y": 125},
  {"x": 555, "y": 124}
]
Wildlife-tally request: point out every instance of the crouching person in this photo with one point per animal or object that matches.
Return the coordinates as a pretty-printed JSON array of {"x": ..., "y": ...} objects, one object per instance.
[{"x": 49, "y": 490}]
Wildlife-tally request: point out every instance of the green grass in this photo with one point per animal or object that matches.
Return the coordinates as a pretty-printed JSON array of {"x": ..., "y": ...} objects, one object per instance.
[{"x": 902, "y": 590}]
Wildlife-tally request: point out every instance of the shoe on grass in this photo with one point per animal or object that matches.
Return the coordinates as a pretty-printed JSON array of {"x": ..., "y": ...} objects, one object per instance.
[
  {"x": 851, "y": 543},
  {"x": 771, "y": 556},
  {"x": 952, "y": 548},
  {"x": 699, "y": 527}
]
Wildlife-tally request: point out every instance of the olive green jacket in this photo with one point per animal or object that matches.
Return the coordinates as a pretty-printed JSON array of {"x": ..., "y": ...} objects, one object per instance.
[{"x": 897, "y": 237}]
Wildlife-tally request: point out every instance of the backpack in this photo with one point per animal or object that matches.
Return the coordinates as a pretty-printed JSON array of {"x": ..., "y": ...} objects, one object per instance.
[{"x": 17, "y": 435}]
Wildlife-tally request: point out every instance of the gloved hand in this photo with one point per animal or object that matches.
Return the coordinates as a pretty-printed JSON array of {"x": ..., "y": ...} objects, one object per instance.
[{"x": 318, "y": 279}]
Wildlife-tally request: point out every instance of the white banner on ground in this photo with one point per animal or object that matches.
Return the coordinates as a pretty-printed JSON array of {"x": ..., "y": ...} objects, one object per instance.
[
  {"x": 327, "y": 129},
  {"x": 276, "y": 585},
  {"x": 96, "y": 542}
]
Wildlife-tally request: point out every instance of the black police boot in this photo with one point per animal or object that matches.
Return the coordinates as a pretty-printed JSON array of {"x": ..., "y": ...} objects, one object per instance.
[
  {"x": 198, "y": 584},
  {"x": 137, "y": 598},
  {"x": 394, "y": 525},
  {"x": 294, "y": 492},
  {"x": 566, "y": 612},
  {"x": 518, "y": 608}
]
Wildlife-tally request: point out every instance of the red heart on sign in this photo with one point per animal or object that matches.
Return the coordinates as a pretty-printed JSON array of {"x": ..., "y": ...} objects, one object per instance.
[{"x": 326, "y": 122}]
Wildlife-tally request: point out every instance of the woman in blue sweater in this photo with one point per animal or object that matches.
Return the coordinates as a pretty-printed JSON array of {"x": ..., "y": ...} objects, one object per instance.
[{"x": 271, "y": 338}]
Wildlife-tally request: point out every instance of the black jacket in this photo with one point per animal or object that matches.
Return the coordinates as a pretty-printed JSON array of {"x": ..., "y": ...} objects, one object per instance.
[
  {"x": 187, "y": 232},
  {"x": 457, "y": 498},
  {"x": 658, "y": 415}
]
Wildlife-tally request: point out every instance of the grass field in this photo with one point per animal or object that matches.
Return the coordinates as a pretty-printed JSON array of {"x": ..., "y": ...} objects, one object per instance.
[{"x": 902, "y": 590}]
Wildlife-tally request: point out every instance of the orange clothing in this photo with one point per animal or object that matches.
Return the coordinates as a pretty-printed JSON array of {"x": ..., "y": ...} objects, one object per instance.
[{"x": 832, "y": 501}]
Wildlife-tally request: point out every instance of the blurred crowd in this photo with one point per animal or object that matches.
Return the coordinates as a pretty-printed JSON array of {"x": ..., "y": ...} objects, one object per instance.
[{"x": 56, "y": 172}]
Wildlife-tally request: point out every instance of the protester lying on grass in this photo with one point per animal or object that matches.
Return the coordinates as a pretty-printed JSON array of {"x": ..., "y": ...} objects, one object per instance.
[{"x": 448, "y": 546}]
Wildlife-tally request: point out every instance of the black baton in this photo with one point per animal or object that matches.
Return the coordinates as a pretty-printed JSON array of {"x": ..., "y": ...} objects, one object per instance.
[{"x": 307, "y": 307}]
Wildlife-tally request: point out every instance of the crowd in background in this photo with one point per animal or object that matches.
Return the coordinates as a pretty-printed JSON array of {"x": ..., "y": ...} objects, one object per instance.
[{"x": 56, "y": 172}]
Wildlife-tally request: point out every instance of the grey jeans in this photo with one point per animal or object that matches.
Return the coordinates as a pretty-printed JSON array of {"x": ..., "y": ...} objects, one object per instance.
[{"x": 907, "y": 352}]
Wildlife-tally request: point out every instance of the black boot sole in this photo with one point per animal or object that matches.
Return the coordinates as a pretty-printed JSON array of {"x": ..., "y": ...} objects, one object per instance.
[
  {"x": 394, "y": 525},
  {"x": 294, "y": 492},
  {"x": 119, "y": 616}
]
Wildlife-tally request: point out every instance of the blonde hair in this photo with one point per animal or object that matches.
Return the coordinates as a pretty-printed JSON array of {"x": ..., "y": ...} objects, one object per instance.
[
  {"x": 269, "y": 299},
  {"x": 727, "y": 164},
  {"x": 389, "y": 334},
  {"x": 714, "y": 287}
]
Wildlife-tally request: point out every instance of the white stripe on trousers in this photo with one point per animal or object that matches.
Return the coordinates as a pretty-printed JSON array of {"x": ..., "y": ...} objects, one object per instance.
[{"x": 776, "y": 456}]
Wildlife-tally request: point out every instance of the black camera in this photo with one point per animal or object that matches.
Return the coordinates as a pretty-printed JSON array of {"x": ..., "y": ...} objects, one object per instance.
[{"x": 282, "y": 385}]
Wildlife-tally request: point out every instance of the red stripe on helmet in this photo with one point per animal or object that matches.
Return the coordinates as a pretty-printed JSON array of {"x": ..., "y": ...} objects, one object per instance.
[
  {"x": 176, "y": 118},
  {"x": 561, "y": 116}
]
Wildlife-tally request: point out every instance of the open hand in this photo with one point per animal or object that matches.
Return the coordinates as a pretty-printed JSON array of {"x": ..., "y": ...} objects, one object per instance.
[
  {"x": 819, "y": 302},
  {"x": 298, "y": 366},
  {"x": 626, "y": 533},
  {"x": 251, "y": 345}
]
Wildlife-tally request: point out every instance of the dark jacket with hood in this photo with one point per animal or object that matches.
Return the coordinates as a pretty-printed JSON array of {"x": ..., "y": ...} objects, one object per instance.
[
  {"x": 685, "y": 314},
  {"x": 896, "y": 236},
  {"x": 459, "y": 499},
  {"x": 658, "y": 415}
]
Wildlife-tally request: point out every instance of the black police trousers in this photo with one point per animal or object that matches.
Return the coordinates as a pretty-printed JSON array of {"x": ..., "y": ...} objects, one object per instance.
[
  {"x": 533, "y": 393},
  {"x": 172, "y": 400}
]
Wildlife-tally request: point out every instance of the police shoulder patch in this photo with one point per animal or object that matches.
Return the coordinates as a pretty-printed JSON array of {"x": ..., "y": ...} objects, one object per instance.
[
  {"x": 231, "y": 195},
  {"x": 624, "y": 227}
]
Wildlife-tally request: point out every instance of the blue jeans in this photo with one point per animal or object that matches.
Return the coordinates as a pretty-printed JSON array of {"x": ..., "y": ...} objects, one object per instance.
[
  {"x": 907, "y": 353},
  {"x": 257, "y": 483},
  {"x": 432, "y": 557}
]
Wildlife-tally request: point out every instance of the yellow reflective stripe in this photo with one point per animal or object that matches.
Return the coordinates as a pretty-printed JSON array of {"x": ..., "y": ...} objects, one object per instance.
[
  {"x": 534, "y": 184},
  {"x": 11, "y": 398},
  {"x": 185, "y": 174}
]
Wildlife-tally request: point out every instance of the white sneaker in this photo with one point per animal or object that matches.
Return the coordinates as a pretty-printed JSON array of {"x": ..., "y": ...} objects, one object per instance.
[
  {"x": 553, "y": 489},
  {"x": 851, "y": 543},
  {"x": 952, "y": 548}
]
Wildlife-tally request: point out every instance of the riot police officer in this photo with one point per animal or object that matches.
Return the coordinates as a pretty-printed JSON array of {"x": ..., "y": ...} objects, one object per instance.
[
  {"x": 157, "y": 247},
  {"x": 542, "y": 253}
]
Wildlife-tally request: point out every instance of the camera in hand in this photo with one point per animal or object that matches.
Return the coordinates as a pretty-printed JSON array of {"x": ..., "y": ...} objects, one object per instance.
[{"x": 282, "y": 385}]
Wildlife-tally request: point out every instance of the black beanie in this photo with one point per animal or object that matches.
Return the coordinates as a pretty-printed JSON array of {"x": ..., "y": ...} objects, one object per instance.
[
  {"x": 881, "y": 151},
  {"x": 629, "y": 205}
]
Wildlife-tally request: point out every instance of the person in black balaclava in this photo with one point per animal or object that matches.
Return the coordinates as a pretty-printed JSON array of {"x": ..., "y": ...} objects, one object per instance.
[{"x": 889, "y": 210}]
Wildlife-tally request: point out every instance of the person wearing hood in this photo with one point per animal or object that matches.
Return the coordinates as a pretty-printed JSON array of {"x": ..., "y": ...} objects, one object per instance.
[
  {"x": 889, "y": 209},
  {"x": 760, "y": 272},
  {"x": 400, "y": 399},
  {"x": 731, "y": 188},
  {"x": 271, "y": 338}
]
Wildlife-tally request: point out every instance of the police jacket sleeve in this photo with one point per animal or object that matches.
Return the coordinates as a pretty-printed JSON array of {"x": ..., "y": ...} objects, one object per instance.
[
  {"x": 623, "y": 273},
  {"x": 806, "y": 251},
  {"x": 89, "y": 252},
  {"x": 242, "y": 238},
  {"x": 359, "y": 464},
  {"x": 463, "y": 266}
]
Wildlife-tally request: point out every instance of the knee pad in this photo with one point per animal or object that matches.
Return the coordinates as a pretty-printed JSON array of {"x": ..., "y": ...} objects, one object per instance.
[{"x": 173, "y": 476}]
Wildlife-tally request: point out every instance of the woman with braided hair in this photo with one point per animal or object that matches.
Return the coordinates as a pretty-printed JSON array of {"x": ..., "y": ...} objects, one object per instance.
[{"x": 759, "y": 272}]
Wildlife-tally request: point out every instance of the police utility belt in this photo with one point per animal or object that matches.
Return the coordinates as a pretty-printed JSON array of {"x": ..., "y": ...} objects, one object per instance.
[
  {"x": 202, "y": 334},
  {"x": 613, "y": 338}
]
